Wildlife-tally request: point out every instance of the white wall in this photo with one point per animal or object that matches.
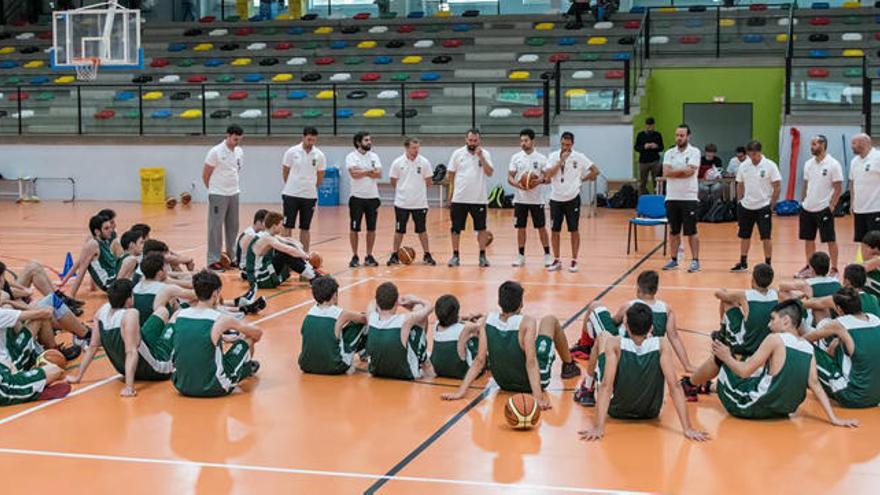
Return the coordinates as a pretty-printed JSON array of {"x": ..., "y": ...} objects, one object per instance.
[{"x": 839, "y": 138}]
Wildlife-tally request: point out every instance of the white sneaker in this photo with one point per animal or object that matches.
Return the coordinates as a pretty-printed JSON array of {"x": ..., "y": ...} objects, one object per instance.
[
  {"x": 520, "y": 261},
  {"x": 573, "y": 268},
  {"x": 555, "y": 266},
  {"x": 548, "y": 260}
]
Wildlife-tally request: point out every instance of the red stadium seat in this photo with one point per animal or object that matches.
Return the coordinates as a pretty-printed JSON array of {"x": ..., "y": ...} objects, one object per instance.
[
  {"x": 370, "y": 76},
  {"x": 196, "y": 78},
  {"x": 419, "y": 94},
  {"x": 632, "y": 24},
  {"x": 758, "y": 7},
  {"x": 453, "y": 43},
  {"x": 208, "y": 19},
  {"x": 284, "y": 45},
  {"x": 324, "y": 60},
  {"x": 533, "y": 113},
  {"x": 820, "y": 21},
  {"x": 15, "y": 96},
  {"x": 245, "y": 31},
  {"x": 558, "y": 57},
  {"x": 105, "y": 114},
  {"x": 405, "y": 28},
  {"x": 159, "y": 63},
  {"x": 614, "y": 74},
  {"x": 361, "y": 16},
  {"x": 817, "y": 72},
  {"x": 238, "y": 95},
  {"x": 282, "y": 113},
  {"x": 689, "y": 40}
]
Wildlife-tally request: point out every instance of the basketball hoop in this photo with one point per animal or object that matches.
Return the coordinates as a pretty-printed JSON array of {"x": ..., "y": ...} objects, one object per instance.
[{"x": 87, "y": 68}]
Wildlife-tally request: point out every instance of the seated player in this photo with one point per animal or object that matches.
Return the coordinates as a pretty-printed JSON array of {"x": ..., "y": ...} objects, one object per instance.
[
  {"x": 18, "y": 385},
  {"x": 96, "y": 257},
  {"x": 820, "y": 285},
  {"x": 271, "y": 258},
  {"x": 772, "y": 382},
  {"x": 396, "y": 342},
  {"x": 34, "y": 276},
  {"x": 331, "y": 336},
  {"x": 456, "y": 339},
  {"x": 245, "y": 238},
  {"x": 854, "y": 277},
  {"x": 201, "y": 366},
  {"x": 136, "y": 352},
  {"x": 132, "y": 243},
  {"x": 173, "y": 274},
  {"x": 631, "y": 372},
  {"x": 19, "y": 333},
  {"x": 176, "y": 260},
  {"x": 848, "y": 370},
  {"x": 144, "y": 292},
  {"x": 110, "y": 216},
  {"x": 871, "y": 253},
  {"x": 520, "y": 350}
]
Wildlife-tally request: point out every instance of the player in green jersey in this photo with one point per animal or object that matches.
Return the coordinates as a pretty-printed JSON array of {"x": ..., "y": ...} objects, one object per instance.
[
  {"x": 331, "y": 336},
  {"x": 456, "y": 338},
  {"x": 855, "y": 277},
  {"x": 27, "y": 383},
  {"x": 820, "y": 285},
  {"x": 132, "y": 242},
  {"x": 396, "y": 342},
  {"x": 871, "y": 254},
  {"x": 271, "y": 259},
  {"x": 96, "y": 257}
]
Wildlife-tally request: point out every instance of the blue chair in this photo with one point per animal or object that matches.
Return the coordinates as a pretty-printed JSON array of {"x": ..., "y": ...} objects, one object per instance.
[
  {"x": 622, "y": 56},
  {"x": 338, "y": 45},
  {"x": 461, "y": 28},
  {"x": 566, "y": 41},
  {"x": 650, "y": 212},
  {"x": 253, "y": 78},
  {"x": 40, "y": 80},
  {"x": 752, "y": 38},
  {"x": 418, "y": 14},
  {"x": 430, "y": 76},
  {"x": 176, "y": 47},
  {"x": 297, "y": 94},
  {"x": 818, "y": 53},
  {"x": 382, "y": 60}
]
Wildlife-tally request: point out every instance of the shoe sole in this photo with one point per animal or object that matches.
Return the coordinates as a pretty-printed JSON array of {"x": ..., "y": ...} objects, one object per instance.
[{"x": 739, "y": 270}]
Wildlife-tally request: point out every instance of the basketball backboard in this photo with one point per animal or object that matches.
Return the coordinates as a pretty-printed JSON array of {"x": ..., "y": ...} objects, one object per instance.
[{"x": 105, "y": 33}]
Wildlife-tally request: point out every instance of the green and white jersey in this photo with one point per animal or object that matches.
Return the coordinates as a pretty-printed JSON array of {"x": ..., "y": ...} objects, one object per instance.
[
  {"x": 444, "y": 356},
  {"x": 745, "y": 335},
  {"x": 144, "y": 295},
  {"x": 24, "y": 386},
  {"x": 240, "y": 258},
  {"x": 260, "y": 269},
  {"x": 870, "y": 303},
  {"x": 136, "y": 275},
  {"x": 322, "y": 352},
  {"x": 638, "y": 385},
  {"x": 389, "y": 358},
  {"x": 602, "y": 321},
  {"x": 507, "y": 360},
  {"x": 872, "y": 285},
  {"x": 200, "y": 367},
  {"x": 854, "y": 380},
  {"x": 824, "y": 286},
  {"x": 105, "y": 266},
  {"x": 766, "y": 396},
  {"x": 19, "y": 347},
  {"x": 154, "y": 350},
  {"x": 660, "y": 311}
]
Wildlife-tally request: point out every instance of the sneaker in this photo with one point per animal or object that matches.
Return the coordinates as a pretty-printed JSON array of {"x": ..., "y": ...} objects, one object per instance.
[
  {"x": 740, "y": 267},
  {"x": 484, "y": 262},
  {"x": 355, "y": 262},
  {"x": 690, "y": 390},
  {"x": 55, "y": 391},
  {"x": 255, "y": 366},
  {"x": 393, "y": 260},
  {"x": 548, "y": 260},
  {"x": 672, "y": 265},
  {"x": 573, "y": 268},
  {"x": 555, "y": 266},
  {"x": 570, "y": 370},
  {"x": 248, "y": 297},
  {"x": 254, "y": 307},
  {"x": 454, "y": 261},
  {"x": 695, "y": 266},
  {"x": 69, "y": 301},
  {"x": 70, "y": 352},
  {"x": 805, "y": 272},
  {"x": 216, "y": 267},
  {"x": 705, "y": 388},
  {"x": 370, "y": 261},
  {"x": 519, "y": 261},
  {"x": 84, "y": 341},
  {"x": 428, "y": 260},
  {"x": 581, "y": 351},
  {"x": 584, "y": 396}
]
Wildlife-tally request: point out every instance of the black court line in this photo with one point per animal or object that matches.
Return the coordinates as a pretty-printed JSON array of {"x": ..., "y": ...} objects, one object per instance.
[{"x": 491, "y": 388}]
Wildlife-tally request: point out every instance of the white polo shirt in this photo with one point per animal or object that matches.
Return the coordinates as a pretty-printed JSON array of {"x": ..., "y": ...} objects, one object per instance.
[
  {"x": 470, "y": 180},
  {"x": 820, "y": 177},
  {"x": 226, "y": 164},
  {"x": 304, "y": 167},
  {"x": 758, "y": 182},
  {"x": 519, "y": 163},
  {"x": 411, "y": 192},
  {"x": 364, "y": 187},
  {"x": 865, "y": 176},
  {"x": 566, "y": 184},
  {"x": 682, "y": 188}
]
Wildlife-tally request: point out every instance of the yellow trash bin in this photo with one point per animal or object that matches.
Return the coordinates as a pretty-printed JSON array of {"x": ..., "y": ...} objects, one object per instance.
[{"x": 152, "y": 185}]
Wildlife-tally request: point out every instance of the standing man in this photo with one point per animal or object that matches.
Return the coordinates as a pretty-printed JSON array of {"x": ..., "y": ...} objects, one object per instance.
[
  {"x": 566, "y": 170},
  {"x": 302, "y": 168},
  {"x": 864, "y": 172},
  {"x": 758, "y": 183},
  {"x": 410, "y": 175},
  {"x": 528, "y": 201},
  {"x": 823, "y": 181},
  {"x": 220, "y": 175},
  {"x": 681, "y": 164},
  {"x": 469, "y": 166},
  {"x": 649, "y": 145},
  {"x": 365, "y": 170}
]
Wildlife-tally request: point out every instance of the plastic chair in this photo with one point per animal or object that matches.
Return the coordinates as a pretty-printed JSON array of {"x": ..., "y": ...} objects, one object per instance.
[{"x": 650, "y": 212}]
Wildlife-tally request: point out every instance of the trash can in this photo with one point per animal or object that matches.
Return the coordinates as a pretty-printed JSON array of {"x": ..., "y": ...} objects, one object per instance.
[
  {"x": 328, "y": 191},
  {"x": 152, "y": 185}
]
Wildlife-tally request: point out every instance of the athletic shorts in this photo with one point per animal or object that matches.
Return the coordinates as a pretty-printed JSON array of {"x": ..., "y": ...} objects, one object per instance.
[
  {"x": 233, "y": 368},
  {"x": 569, "y": 211},
  {"x": 864, "y": 223},
  {"x": 821, "y": 221},
  {"x": 545, "y": 354},
  {"x": 601, "y": 321},
  {"x": 358, "y": 208},
  {"x": 154, "y": 353},
  {"x": 521, "y": 214},
  {"x": 401, "y": 218},
  {"x": 295, "y": 207},
  {"x": 24, "y": 386},
  {"x": 58, "y": 311},
  {"x": 746, "y": 398},
  {"x": 682, "y": 216},
  {"x": 747, "y": 219},
  {"x": 459, "y": 213}
]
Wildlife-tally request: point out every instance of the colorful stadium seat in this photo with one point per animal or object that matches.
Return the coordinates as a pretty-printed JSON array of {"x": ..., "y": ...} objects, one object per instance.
[
  {"x": 689, "y": 40},
  {"x": 161, "y": 114},
  {"x": 353, "y": 60},
  {"x": 357, "y": 94},
  {"x": 441, "y": 59},
  {"x": 297, "y": 61},
  {"x": 374, "y": 113},
  {"x": 45, "y": 96},
  {"x": 382, "y": 60},
  {"x": 323, "y": 30},
  {"x": 325, "y": 61},
  {"x": 185, "y": 62},
  {"x": 176, "y": 47},
  {"x": 244, "y": 31},
  {"x": 461, "y": 28},
  {"x": 752, "y": 38},
  {"x": 543, "y": 26},
  {"x": 818, "y": 37},
  {"x": 284, "y": 45},
  {"x": 727, "y": 22},
  {"x": 360, "y": 16},
  {"x": 533, "y": 113},
  {"x": 388, "y": 94},
  {"x": 405, "y": 28},
  {"x": 297, "y": 94},
  {"x": 582, "y": 74},
  {"x": 851, "y": 37},
  {"x": 218, "y": 32},
  {"x": 518, "y": 75},
  {"x": 208, "y": 19},
  {"x": 254, "y": 47},
  {"x": 105, "y": 114},
  {"x": 340, "y": 77},
  {"x": 228, "y": 47},
  {"x": 597, "y": 40},
  {"x": 268, "y": 62},
  {"x": 451, "y": 43},
  {"x": 784, "y": 21},
  {"x": 527, "y": 58},
  {"x": 818, "y": 54},
  {"x": 659, "y": 40},
  {"x": 123, "y": 96},
  {"x": 283, "y": 77},
  {"x": 409, "y": 113},
  {"x": 282, "y": 113},
  {"x": 566, "y": 41},
  {"x": 158, "y": 63},
  {"x": 197, "y": 78},
  {"x": 424, "y": 43},
  {"x": 417, "y": 14},
  {"x": 535, "y": 41},
  {"x": 237, "y": 95},
  {"x": 632, "y": 24},
  {"x": 33, "y": 64},
  {"x": 370, "y": 76},
  {"x": 311, "y": 77},
  {"x": 394, "y": 44},
  {"x": 225, "y": 78},
  {"x": 221, "y": 114},
  {"x": 853, "y": 52},
  {"x": 203, "y": 47},
  {"x": 296, "y": 30},
  {"x": 558, "y": 57},
  {"x": 326, "y": 94},
  {"x": 603, "y": 25},
  {"x": 430, "y": 76},
  {"x": 500, "y": 113},
  {"x": 758, "y": 7},
  {"x": 400, "y": 76},
  {"x": 6, "y": 50},
  {"x": 782, "y": 37},
  {"x": 191, "y": 113},
  {"x": 419, "y": 94},
  {"x": 575, "y": 92},
  {"x": 39, "y": 80},
  {"x": 820, "y": 21},
  {"x": 378, "y": 29},
  {"x": 170, "y": 79},
  {"x": 817, "y": 72},
  {"x": 626, "y": 40},
  {"x": 210, "y": 95},
  {"x": 251, "y": 113},
  {"x": 22, "y": 96},
  {"x": 241, "y": 62},
  {"x": 366, "y": 44},
  {"x": 411, "y": 59},
  {"x": 852, "y": 72},
  {"x": 614, "y": 74},
  {"x": 350, "y": 29}
]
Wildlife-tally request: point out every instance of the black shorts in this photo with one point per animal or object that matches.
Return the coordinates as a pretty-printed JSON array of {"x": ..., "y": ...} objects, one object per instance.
[
  {"x": 285, "y": 263},
  {"x": 864, "y": 223},
  {"x": 682, "y": 216},
  {"x": 401, "y": 218},
  {"x": 358, "y": 208},
  {"x": 460, "y": 212},
  {"x": 302, "y": 207},
  {"x": 820, "y": 221},
  {"x": 747, "y": 219},
  {"x": 570, "y": 211},
  {"x": 521, "y": 214}
]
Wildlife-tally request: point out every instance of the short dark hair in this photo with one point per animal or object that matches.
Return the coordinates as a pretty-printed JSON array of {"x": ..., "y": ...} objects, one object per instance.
[
  {"x": 410, "y": 140},
  {"x": 359, "y": 138},
  {"x": 143, "y": 228},
  {"x": 567, "y": 135},
  {"x": 753, "y": 145},
  {"x": 792, "y": 309},
  {"x": 872, "y": 239},
  {"x": 235, "y": 129},
  {"x": 741, "y": 149},
  {"x": 472, "y": 130},
  {"x": 822, "y": 139},
  {"x": 649, "y": 121},
  {"x": 324, "y": 288},
  {"x": 310, "y": 131},
  {"x": 685, "y": 127},
  {"x": 820, "y": 263},
  {"x": 260, "y": 215},
  {"x": 118, "y": 292},
  {"x": 387, "y": 296},
  {"x": 527, "y": 132},
  {"x": 152, "y": 264},
  {"x": 856, "y": 275},
  {"x": 510, "y": 296},
  {"x": 205, "y": 284},
  {"x": 848, "y": 300},
  {"x": 648, "y": 281},
  {"x": 447, "y": 308},
  {"x": 108, "y": 213},
  {"x": 272, "y": 219},
  {"x": 639, "y": 319},
  {"x": 154, "y": 246},
  {"x": 130, "y": 237},
  {"x": 97, "y": 223},
  {"x": 763, "y": 275},
  {"x": 711, "y": 147}
]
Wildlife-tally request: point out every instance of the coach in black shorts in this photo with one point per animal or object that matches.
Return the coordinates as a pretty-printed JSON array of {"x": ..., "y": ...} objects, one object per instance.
[
  {"x": 365, "y": 170},
  {"x": 680, "y": 166},
  {"x": 864, "y": 176},
  {"x": 468, "y": 168},
  {"x": 528, "y": 202},
  {"x": 758, "y": 183},
  {"x": 410, "y": 175},
  {"x": 303, "y": 168},
  {"x": 823, "y": 181}
]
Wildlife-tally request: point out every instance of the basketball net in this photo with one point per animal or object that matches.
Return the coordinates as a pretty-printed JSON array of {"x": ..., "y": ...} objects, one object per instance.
[{"x": 87, "y": 68}]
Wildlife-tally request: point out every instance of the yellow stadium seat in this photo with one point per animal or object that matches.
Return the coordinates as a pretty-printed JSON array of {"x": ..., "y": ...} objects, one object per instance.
[
  {"x": 324, "y": 30},
  {"x": 367, "y": 44},
  {"x": 412, "y": 59},
  {"x": 241, "y": 62},
  {"x": 668, "y": 9},
  {"x": 575, "y": 92},
  {"x": 284, "y": 16},
  {"x": 327, "y": 94},
  {"x": 727, "y": 22},
  {"x": 6, "y": 50},
  {"x": 854, "y": 52},
  {"x": 282, "y": 77},
  {"x": 851, "y": 5},
  {"x": 153, "y": 95},
  {"x": 192, "y": 113},
  {"x": 374, "y": 113},
  {"x": 518, "y": 75},
  {"x": 203, "y": 47},
  {"x": 597, "y": 40},
  {"x": 782, "y": 38},
  {"x": 65, "y": 80},
  {"x": 34, "y": 64},
  {"x": 443, "y": 13},
  {"x": 544, "y": 26}
]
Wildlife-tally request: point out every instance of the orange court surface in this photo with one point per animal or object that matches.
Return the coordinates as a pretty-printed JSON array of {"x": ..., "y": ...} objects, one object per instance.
[{"x": 287, "y": 432}]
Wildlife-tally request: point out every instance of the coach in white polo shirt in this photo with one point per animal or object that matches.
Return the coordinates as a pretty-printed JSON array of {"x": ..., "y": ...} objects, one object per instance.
[
  {"x": 823, "y": 181},
  {"x": 468, "y": 168},
  {"x": 758, "y": 183},
  {"x": 528, "y": 201},
  {"x": 410, "y": 175},
  {"x": 566, "y": 170},
  {"x": 220, "y": 176},
  {"x": 680, "y": 166},
  {"x": 302, "y": 168},
  {"x": 864, "y": 174},
  {"x": 365, "y": 170}
]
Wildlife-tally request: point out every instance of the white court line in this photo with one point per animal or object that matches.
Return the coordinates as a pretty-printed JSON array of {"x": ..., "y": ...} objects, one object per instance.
[
  {"x": 49, "y": 403},
  {"x": 400, "y": 280},
  {"x": 312, "y": 472}
]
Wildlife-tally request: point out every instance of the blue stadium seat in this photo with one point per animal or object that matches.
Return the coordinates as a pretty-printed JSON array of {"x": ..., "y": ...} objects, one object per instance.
[
  {"x": 124, "y": 96},
  {"x": 344, "y": 113},
  {"x": 297, "y": 94},
  {"x": 253, "y": 78},
  {"x": 430, "y": 76},
  {"x": 338, "y": 45},
  {"x": 818, "y": 53},
  {"x": 417, "y": 14},
  {"x": 820, "y": 5},
  {"x": 622, "y": 56},
  {"x": 461, "y": 28},
  {"x": 752, "y": 38},
  {"x": 567, "y": 41},
  {"x": 296, "y": 30},
  {"x": 161, "y": 114},
  {"x": 176, "y": 47},
  {"x": 40, "y": 80},
  {"x": 382, "y": 60},
  {"x": 214, "y": 62}
]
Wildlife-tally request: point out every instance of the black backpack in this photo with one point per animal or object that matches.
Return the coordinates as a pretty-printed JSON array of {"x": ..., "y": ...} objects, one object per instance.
[
  {"x": 721, "y": 211},
  {"x": 439, "y": 170},
  {"x": 843, "y": 205},
  {"x": 626, "y": 197}
]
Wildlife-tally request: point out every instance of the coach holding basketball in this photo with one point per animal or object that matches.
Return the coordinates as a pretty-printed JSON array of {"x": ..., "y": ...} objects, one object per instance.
[
  {"x": 469, "y": 166},
  {"x": 220, "y": 176},
  {"x": 864, "y": 172},
  {"x": 680, "y": 166}
]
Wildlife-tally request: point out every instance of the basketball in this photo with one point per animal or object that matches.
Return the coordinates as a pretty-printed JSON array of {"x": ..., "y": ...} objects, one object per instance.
[
  {"x": 52, "y": 356},
  {"x": 406, "y": 255},
  {"x": 522, "y": 412},
  {"x": 315, "y": 260},
  {"x": 170, "y": 202},
  {"x": 185, "y": 198},
  {"x": 529, "y": 179},
  {"x": 225, "y": 261}
]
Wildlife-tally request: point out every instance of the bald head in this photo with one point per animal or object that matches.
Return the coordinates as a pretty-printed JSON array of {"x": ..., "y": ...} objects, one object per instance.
[{"x": 861, "y": 144}]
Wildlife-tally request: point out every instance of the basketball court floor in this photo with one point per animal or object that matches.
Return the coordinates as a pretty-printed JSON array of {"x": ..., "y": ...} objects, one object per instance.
[{"x": 287, "y": 432}]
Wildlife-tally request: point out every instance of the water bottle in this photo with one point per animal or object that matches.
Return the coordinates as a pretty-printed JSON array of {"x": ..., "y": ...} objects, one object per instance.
[{"x": 679, "y": 257}]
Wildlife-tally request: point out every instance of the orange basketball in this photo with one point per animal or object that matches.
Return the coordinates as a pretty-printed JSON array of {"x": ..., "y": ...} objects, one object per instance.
[
  {"x": 185, "y": 198},
  {"x": 529, "y": 179},
  {"x": 225, "y": 261},
  {"x": 170, "y": 202},
  {"x": 406, "y": 255},
  {"x": 315, "y": 260},
  {"x": 52, "y": 356},
  {"x": 522, "y": 412}
]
